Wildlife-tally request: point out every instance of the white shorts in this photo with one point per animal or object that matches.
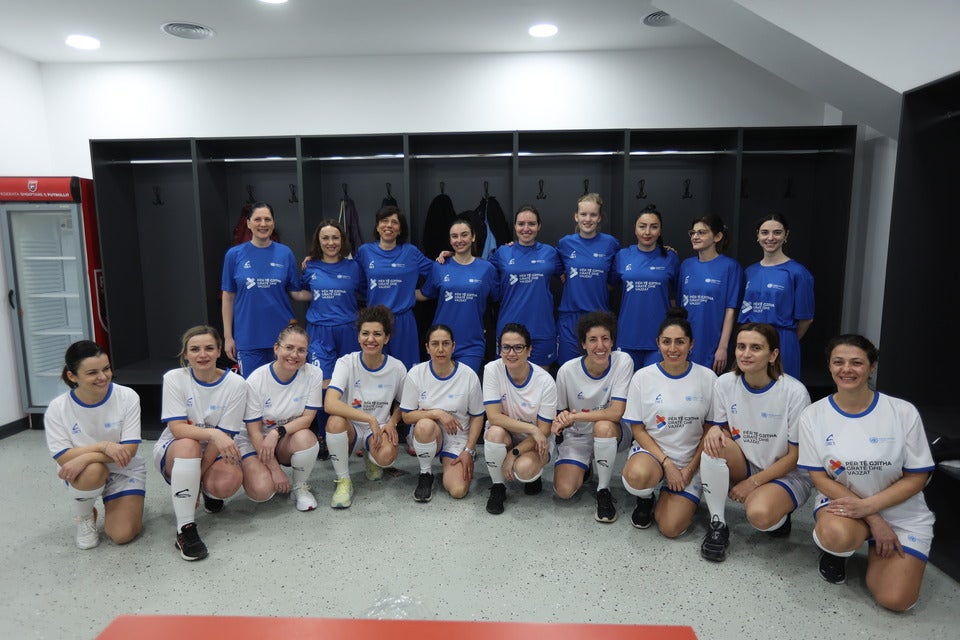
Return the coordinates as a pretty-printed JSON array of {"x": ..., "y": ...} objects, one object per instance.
[
  {"x": 693, "y": 489},
  {"x": 915, "y": 538},
  {"x": 516, "y": 439},
  {"x": 577, "y": 448},
  {"x": 160, "y": 455},
  {"x": 797, "y": 483},
  {"x": 130, "y": 480},
  {"x": 452, "y": 447}
]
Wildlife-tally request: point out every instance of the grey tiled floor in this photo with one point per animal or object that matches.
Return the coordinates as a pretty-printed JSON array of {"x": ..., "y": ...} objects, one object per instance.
[{"x": 542, "y": 561}]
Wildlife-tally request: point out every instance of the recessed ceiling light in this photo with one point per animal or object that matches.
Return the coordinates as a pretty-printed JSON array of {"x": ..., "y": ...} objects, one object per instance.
[
  {"x": 274, "y": 1},
  {"x": 543, "y": 30},
  {"x": 87, "y": 43}
]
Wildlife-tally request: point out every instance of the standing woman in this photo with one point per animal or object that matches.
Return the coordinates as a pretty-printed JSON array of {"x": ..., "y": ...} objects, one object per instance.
[
  {"x": 282, "y": 400},
  {"x": 591, "y": 394},
  {"x": 868, "y": 456},
  {"x": 93, "y": 432},
  {"x": 257, "y": 279},
  {"x": 668, "y": 406},
  {"x": 709, "y": 289},
  {"x": 779, "y": 291},
  {"x": 752, "y": 443},
  {"x": 525, "y": 269},
  {"x": 587, "y": 256},
  {"x": 442, "y": 400},
  {"x": 202, "y": 409},
  {"x": 363, "y": 403},
  {"x": 462, "y": 286},
  {"x": 521, "y": 403},
  {"x": 649, "y": 276},
  {"x": 392, "y": 267}
]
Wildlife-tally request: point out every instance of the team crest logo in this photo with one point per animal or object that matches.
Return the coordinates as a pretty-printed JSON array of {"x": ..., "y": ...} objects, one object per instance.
[
  {"x": 32, "y": 185},
  {"x": 829, "y": 440},
  {"x": 75, "y": 429}
]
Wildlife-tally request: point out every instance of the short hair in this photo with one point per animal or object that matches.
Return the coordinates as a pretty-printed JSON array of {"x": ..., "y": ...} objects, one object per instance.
[
  {"x": 854, "y": 340},
  {"x": 772, "y": 336},
  {"x": 316, "y": 251},
  {"x": 519, "y": 329},
  {"x": 75, "y": 354},
  {"x": 193, "y": 332},
  {"x": 594, "y": 319},
  {"x": 377, "y": 313},
  {"x": 386, "y": 212}
]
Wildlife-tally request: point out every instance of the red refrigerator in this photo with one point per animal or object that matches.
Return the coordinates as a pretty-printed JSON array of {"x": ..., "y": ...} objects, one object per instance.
[{"x": 55, "y": 287}]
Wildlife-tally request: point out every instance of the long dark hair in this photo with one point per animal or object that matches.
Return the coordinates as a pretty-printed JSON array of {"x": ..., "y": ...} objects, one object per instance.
[
  {"x": 652, "y": 208},
  {"x": 77, "y": 353}
]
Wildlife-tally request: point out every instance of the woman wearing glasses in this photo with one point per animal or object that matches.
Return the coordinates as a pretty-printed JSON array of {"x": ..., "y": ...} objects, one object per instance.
[{"x": 709, "y": 289}]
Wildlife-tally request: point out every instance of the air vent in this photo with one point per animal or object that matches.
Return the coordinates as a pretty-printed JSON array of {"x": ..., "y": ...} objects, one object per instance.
[
  {"x": 188, "y": 30},
  {"x": 659, "y": 19}
]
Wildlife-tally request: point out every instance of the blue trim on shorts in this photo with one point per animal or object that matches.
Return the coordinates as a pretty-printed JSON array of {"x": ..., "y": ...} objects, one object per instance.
[
  {"x": 908, "y": 550},
  {"x": 128, "y": 492},
  {"x": 447, "y": 454},
  {"x": 683, "y": 494},
  {"x": 243, "y": 457},
  {"x": 793, "y": 498},
  {"x": 575, "y": 463}
]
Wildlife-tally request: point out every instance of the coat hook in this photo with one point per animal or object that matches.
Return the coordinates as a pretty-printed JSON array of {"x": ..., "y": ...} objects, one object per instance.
[
  {"x": 686, "y": 195},
  {"x": 642, "y": 194},
  {"x": 443, "y": 187},
  {"x": 157, "y": 200},
  {"x": 293, "y": 194},
  {"x": 250, "y": 197},
  {"x": 343, "y": 185},
  {"x": 586, "y": 187},
  {"x": 788, "y": 193},
  {"x": 743, "y": 189},
  {"x": 389, "y": 187},
  {"x": 541, "y": 195},
  {"x": 486, "y": 189}
]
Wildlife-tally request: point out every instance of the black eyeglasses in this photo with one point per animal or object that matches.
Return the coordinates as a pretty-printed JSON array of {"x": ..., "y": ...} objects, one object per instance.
[{"x": 516, "y": 348}]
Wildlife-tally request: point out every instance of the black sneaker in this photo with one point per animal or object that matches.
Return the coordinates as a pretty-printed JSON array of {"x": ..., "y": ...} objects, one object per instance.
[
  {"x": 498, "y": 493},
  {"x": 643, "y": 513},
  {"x": 782, "y": 531},
  {"x": 189, "y": 542},
  {"x": 833, "y": 568},
  {"x": 533, "y": 488},
  {"x": 323, "y": 453},
  {"x": 211, "y": 504},
  {"x": 715, "y": 543},
  {"x": 424, "y": 489},
  {"x": 606, "y": 511}
]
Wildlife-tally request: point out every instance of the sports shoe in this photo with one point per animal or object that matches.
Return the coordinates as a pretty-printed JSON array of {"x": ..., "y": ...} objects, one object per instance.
[
  {"x": 606, "y": 511},
  {"x": 715, "y": 543},
  {"x": 533, "y": 488},
  {"x": 343, "y": 496},
  {"x": 643, "y": 513},
  {"x": 374, "y": 472},
  {"x": 303, "y": 497},
  {"x": 782, "y": 531},
  {"x": 211, "y": 504},
  {"x": 498, "y": 493},
  {"x": 833, "y": 568},
  {"x": 189, "y": 542},
  {"x": 323, "y": 453},
  {"x": 87, "y": 535},
  {"x": 424, "y": 489}
]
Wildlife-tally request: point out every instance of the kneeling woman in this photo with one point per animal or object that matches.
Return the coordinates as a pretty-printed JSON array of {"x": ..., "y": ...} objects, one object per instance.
[
  {"x": 282, "y": 400},
  {"x": 752, "y": 444},
  {"x": 521, "y": 402},
  {"x": 667, "y": 406},
  {"x": 96, "y": 460},
  {"x": 202, "y": 408},
  {"x": 592, "y": 393},
  {"x": 362, "y": 401},
  {"x": 442, "y": 399},
  {"x": 868, "y": 456}
]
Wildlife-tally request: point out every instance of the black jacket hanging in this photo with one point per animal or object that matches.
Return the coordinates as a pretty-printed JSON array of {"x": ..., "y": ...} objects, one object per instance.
[
  {"x": 491, "y": 212},
  {"x": 436, "y": 226}
]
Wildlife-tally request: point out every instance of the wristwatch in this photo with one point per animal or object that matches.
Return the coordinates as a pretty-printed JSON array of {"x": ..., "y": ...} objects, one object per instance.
[
  {"x": 516, "y": 452},
  {"x": 281, "y": 431},
  {"x": 472, "y": 452}
]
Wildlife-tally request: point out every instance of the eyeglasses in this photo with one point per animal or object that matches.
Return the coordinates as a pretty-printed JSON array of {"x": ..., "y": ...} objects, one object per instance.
[
  {"x": 697, "y": 232},
  {"x": 289, "y": 348},
  {"x": 516, "y": 348}
]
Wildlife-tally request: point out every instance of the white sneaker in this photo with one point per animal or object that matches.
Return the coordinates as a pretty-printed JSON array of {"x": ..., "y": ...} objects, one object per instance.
[
  {"x": 343, "y": 495},
  {"x": 87, "y": 535},
  {"x": 303, "y": 497}
]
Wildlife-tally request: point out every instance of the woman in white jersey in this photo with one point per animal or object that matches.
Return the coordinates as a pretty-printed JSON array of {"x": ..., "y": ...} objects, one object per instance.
[
  {"x": 362, "y": 401},
  {"x": 202, "y": 409},
  {"x": 868, "y": 456},
  {"x": 443, "y": 402},
  {"x": 668, "y": 405},
  {"x": 93, "y": 432},
  {"x": 520, "y": 399},
  {"x": 282, "y": 400},
  {"x": 591, "y": 396},
  {"x": 750, "y": 452}
]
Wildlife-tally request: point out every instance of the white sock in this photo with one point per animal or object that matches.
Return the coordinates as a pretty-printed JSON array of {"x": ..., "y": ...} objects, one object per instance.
[
  {"x": 494, "y": 453},
  {"x": 185, "y": 487},
  {"x": 84, "y": 500},
  {"x": 604, "y": 457},
  {"x": 640, "y": 493},
  {"x": 302, "y": 463},
  {"x": 776, "y": 526},
  {"x": 715, "y": 477},
  {"x": 425, "y": 453},
  {"x": 338, "y": 444},
  {"x": 533, "y": 479},
  {"x": 840, "y": 554}
]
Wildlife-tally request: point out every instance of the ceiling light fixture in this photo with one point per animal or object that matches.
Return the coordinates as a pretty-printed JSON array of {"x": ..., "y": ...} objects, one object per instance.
[
  {"x": 86, "y": 43},
  {"x": 274, "y": 1},
  {"x": 659, "y": 19},
  {"x": 543, "y": 30},
  {"x": 188, "y": 30}
]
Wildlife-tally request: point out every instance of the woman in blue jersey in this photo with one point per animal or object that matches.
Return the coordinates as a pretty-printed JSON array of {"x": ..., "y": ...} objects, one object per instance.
[
  {"x": 462, "y": 285},
  {"x": 709, "y": 289},
  {"x": 392, "y": 268},
  {"x": 587, "y": 256},
  {"x": 525, "y": 268},
  {"x": 257, "y": 278},
  {"x": 648, "y": 273},
  {"x": 779, "y": 291}
]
